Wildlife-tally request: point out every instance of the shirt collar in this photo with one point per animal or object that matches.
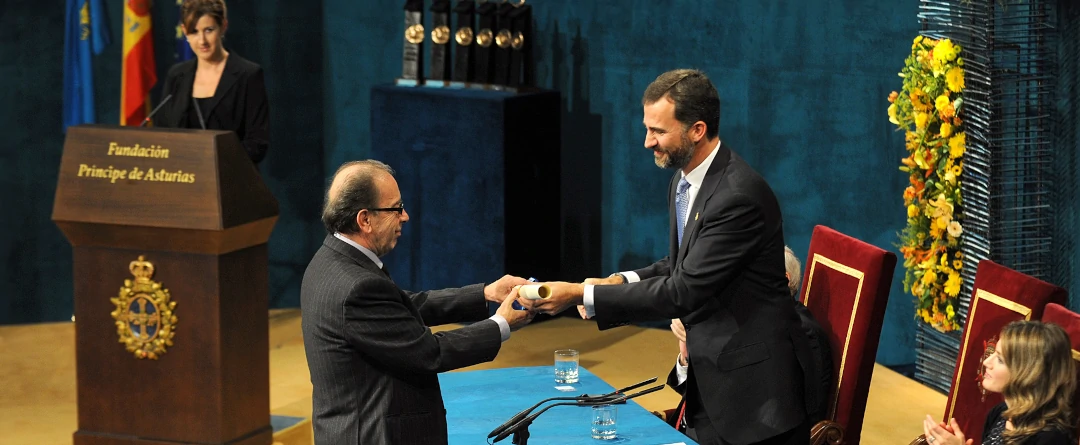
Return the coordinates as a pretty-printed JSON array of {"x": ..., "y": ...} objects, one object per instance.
[
  {"x": 367, "y": 252},
  {"x": 697, "y": 175}
]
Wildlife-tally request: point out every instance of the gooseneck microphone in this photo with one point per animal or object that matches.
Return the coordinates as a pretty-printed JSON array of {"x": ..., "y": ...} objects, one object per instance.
[
  {"x": 155, "y": 110},
  {"x": 611, "y": 401},
  {"x": 580, "y": 400}
]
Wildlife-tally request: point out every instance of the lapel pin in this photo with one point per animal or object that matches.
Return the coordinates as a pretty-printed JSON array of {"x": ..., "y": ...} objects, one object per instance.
[{"x": 696, "y": 215}]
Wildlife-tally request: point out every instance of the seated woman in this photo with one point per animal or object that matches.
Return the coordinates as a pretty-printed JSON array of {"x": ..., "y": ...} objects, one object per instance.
[
  {"x": 1032, "y": 367},
  {"x": 218, "y": 89}
]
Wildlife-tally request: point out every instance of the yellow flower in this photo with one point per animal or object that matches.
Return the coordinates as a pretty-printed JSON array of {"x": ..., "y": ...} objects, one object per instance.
[
  {"x": 946, "y": 129},
  {"x": 956, "y": 170},
  {"x": 929, "y": 278},
  {"x": 944, "y": 51},
  {"x": 892, "y": 114},
  {"x": 941, "y": 102},
  {"x": 950, "y": 311},
  {"x": 942, "y": 209},
  {"x": 955, "y": 229},
  {"x": 918, "y": 39},
  {"x": 954, "y": 79},
  {"x": 945, "y": 222},
  {"x": 950, "y": 177},
  {"x": 952, "y": 284},
  {"x": 957, "y": 145},
  {"x": 944, "y": 261},
  {"x": 957, "y": 264},
  {"x": 921, "y": 120},
  {"x": 912, "y": 211}
]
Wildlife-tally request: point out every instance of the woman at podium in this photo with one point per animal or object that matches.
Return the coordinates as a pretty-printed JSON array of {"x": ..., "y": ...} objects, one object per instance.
[{"x": 217, "y": 90}]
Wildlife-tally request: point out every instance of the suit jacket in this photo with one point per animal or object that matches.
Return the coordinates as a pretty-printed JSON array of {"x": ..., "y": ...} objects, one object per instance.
[
  {"x": 373, "y": 360},
  {"x": 726, "y": 283},
  {"x": 239, "y": 104}
]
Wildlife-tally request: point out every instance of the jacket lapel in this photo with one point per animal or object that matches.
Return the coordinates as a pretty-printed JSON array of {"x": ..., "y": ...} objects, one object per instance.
[
  {"x": 228, "y": 79},
  {"x": 708, "y": 186},
  {"x": 185, "y": 82}
]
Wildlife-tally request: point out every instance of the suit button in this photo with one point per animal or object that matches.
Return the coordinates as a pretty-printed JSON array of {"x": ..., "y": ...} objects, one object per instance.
[{"x": 686, "y": 327}]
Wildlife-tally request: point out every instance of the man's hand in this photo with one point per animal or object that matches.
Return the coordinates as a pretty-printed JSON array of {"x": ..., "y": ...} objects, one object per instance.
[
  {"x": 614, "y": 278},
  {"x": 683, "y": 354},
  {"x": 611, "y": 279},
  {"x": 515, "y": 318},
  {"x": 678, "y": 329},
  {"x": 496, "y": 292},
  {"x": 563, "y": 295}
]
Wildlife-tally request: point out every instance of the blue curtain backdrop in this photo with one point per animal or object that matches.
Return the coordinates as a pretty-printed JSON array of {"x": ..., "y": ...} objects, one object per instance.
[{"x": 802, "y": 82}]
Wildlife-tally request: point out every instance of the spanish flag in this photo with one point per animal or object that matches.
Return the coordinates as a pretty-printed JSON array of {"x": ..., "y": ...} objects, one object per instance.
[{"x": 139, "y": 73}]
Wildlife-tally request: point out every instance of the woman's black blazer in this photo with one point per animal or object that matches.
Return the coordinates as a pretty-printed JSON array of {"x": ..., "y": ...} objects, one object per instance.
[{"x": 239, "y": 104}]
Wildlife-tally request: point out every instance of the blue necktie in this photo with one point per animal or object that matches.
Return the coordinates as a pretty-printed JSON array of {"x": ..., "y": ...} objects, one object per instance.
[{"x": 682, "y": 199}]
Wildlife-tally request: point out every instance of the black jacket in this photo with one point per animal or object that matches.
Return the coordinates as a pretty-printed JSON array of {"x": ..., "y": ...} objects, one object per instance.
[
  {"x": 374, "y": 362},
  {"x": 726, "y": 282},
  {"x": 1049, "y": 436},
  {"x": 239, "y": 104}
]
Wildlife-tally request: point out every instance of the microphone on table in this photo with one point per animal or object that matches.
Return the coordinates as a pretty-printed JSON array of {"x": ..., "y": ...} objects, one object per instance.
[
  {"x": 155, "y": 110},
  {"x": 580, "y": 400},
  {"x": 523, "y": 423}
]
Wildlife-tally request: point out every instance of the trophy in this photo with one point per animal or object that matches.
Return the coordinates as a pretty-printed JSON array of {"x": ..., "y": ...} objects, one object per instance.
[
  {"x": 463, "y": 39},
  {"x": 411, "y": 57},
  {"x": 440, "y": 44},
  {"x": 521, "y": 59},
  {"x": 485, "y": 38},
  {"x": 503, "y": 39}
]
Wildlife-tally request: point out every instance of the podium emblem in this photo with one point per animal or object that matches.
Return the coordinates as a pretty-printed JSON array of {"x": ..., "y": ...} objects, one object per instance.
[
  {"x": 503, "y": 38},
  {"x": 144, "y": 313},
  {"x": 484, "y": 37}
]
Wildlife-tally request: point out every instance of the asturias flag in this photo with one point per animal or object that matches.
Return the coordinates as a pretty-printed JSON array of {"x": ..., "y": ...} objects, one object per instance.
[
  {"x": 139, "y": 70},
  {"x": 183, "y": 50},
  {"x": 84, "y": 30}
]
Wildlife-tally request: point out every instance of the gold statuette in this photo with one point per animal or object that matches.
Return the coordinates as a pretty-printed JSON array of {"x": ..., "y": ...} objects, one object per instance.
[
  {"x": 144, "y": 313},
  {"x": 440, "y": 35},
  {"x": 518, "y": 40},
  {"x": 415, "y": 34},
  {"x": 483, "y": 38},
  {"x": 464, "y": 36},
  {"x": 503, "y": 38}
]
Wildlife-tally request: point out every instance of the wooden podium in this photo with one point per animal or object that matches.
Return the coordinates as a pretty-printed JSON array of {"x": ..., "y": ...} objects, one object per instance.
[{"x": 168, "y": 230}]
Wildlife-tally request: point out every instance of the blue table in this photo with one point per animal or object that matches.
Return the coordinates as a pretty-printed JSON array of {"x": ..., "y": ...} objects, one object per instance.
[{"x": 479, "y": 401}]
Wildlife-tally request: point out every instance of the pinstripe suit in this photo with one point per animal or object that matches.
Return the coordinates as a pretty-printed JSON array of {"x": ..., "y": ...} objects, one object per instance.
[{"x": 373, "y": 360}]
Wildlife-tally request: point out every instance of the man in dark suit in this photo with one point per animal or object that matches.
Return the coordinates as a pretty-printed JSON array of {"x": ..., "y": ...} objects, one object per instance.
[
  {"x": 724, "y": 277},
  {"x": 373, "y": 360}
]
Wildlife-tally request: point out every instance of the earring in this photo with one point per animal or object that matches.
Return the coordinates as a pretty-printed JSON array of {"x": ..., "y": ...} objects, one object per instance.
[{"x": 989, "y": 347}]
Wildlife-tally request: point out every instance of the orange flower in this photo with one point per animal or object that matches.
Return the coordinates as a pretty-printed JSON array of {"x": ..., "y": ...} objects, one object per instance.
[{"x": 893, "y": 96}]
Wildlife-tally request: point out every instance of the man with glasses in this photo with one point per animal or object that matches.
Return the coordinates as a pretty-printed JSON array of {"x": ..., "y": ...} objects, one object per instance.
[{"x": 373, "y": 360}]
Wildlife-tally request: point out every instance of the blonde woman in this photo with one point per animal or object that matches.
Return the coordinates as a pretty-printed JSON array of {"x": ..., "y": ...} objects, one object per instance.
[{"x": 1032, "y": 367}]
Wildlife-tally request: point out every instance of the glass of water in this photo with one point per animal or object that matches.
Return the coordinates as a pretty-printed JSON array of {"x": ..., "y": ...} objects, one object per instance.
[
  {"x": 603, "y": 422},
  {"x": 566, "y": 366}
]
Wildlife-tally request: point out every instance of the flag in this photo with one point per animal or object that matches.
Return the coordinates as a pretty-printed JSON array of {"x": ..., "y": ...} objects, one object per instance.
[
  {"x": 183, "y": 50},
  {"x": 139, "y": 72},
  {"x": 85, "y": 32}
]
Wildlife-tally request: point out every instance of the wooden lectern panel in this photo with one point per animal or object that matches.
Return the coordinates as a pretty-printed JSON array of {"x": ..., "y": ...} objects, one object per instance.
[
  {"x": 158, "y": 178},
  {"x": 169, "y": 231}
]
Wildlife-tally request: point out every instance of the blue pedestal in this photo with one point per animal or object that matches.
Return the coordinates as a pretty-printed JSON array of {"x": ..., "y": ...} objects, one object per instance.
[{"x": 479, "y": 175}]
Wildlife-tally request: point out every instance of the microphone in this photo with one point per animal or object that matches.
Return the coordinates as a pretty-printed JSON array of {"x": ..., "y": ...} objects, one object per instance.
[
  {"x": 155, "y": 110},
  {"x": 578, "y": 400},
  {"x": 528, "y": 420}
]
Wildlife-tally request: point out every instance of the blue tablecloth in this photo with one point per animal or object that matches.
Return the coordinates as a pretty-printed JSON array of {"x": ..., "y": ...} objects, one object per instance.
[{"x": 479, "y": 401}]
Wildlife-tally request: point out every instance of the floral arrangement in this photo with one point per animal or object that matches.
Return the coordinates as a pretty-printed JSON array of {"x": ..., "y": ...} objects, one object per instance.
[{"x": 928, "y": 110}]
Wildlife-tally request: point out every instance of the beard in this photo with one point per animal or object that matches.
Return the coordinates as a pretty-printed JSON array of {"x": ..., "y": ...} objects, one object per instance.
[{"x": 678, "y": 157}]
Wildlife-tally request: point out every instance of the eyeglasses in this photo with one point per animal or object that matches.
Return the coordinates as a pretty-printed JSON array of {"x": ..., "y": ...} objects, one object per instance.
[{"x": 399, "y": 209}]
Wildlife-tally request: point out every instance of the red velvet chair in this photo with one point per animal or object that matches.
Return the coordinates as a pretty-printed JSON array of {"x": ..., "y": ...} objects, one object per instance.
[
  {"x": 846, "y": 287},
  {"x": 1000, "y": 295}
]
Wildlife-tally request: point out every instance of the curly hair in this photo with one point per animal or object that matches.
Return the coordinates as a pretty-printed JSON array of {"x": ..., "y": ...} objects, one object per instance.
[{"x": 1042, "y": 380}]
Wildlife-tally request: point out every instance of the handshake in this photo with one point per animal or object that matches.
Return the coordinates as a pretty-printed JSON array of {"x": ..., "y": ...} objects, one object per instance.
[{"x": 549, "y": 298}]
